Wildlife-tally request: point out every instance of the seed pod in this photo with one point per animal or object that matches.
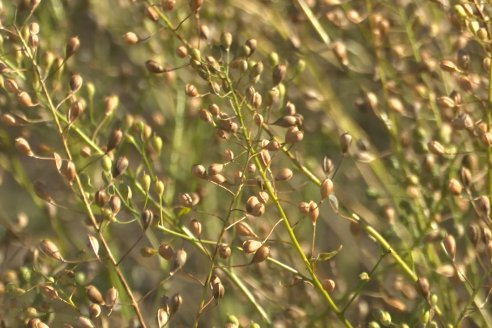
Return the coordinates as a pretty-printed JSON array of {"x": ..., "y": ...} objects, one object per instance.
[
  {"x": 70, "y": 172},
  {"x": 463, "y": 121},
  {"x": 250, "y": 246},
  {"x": 251, "y": 203},
  {"x": 130, "y": 38},
  {"x": 115, "y": 204},
  {"x": 483, "y": 206},
  {"x": 84, "y": 322},
  {"x": 11, "y": 86},
  {"x": 252, "y": 44},
  {"x": 114, "y": 139},
  {"x": 199, "y": 171},
  {"x": 224, "y": 251},
  {"x": 218, "y": 290},
  {"x": 215, "y": 168},
  {"x": 111, "y": 296},
  {"x": 94, "y": 295},
  {"x": 436, "y": 148},
  {"x": 76, "y": 108},
  {"x": 263, "y": 197},
  {"x": 340, "y": 51},
  {"x": 284, "y": 174},
  {"x": 23, "y": 147},
  {"x": 168, "y": 5},
  {"x": 256, "y": 100},
  {"x": 25, "y": 99},
  {"x": 110, "y": 104},
  {"x": 195, "y": 5},
  {"x": 226, "y": 40},
  {"x": 326, "y": 188},
  {"x": 328, "y": 285},
  {"x": 261, "y": 254},
  {"x": 205, "y": 115},
  {"x": 94, "y": 311},
  {"x": 196, "y": 227},
  {"x": 423, "y": 287},
  {"x": 179, "y": 259},
  {"x": 191, "y": 90},
  {"x": 303, "y": 207},
  {"x": 265, "y": 157},
  {"x": 147, "y": 218},
  {"x": 120, "y": 166},
  {"x": 474, "y": 233},
  {"x": 218, "y": 179},
  {"x": 41, "y": 191},
  {"x": 154, "y": 67},
  {"x": 445, "y": 102},
  {"x": 36, "y": 323},
  {"x": 151, "y": 14},
  {"x": 450, "y": 246},
  {"x": 278, "y": 74},
  {"x": 9, "y": 120},
  {"x": 49, "y": 291},
  {"x": 49, "y": 248},
  {"x": 293, "y": 135},
  {"x": 243, "y": 229},
  {"x": 175, "y": 303},
  {"x": 313, "y": 212},
  {"x": 258, "y": 210},
  {"x": 345, "y": 141},
  {"x": 72, "y": 46},
  {"x": 101, "y": 198},
  {"x": 448, "y": 66},
  {"x": 166, "y": 251},
  {"x": 94, "y": 245},
  {"x": 286, "y": 121},
  {"x": 148, "y": 251},
  {"x": 454, "y": 187},
  {"x": 75, "y": 82},
  {"x": 185, "y": 200}
]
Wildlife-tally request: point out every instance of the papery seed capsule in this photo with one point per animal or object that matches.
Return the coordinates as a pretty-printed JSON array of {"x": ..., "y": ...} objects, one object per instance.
[
  {"x": 303, "y": 207},
  {"x": 151, "y": 14},
  {"x": 196, "y": 227},
  {"x": 258, "y": 210},
  {"x": 195, "y": 5},
  {"x": 345, "y": 142},
  {"x": 436, "y": 148},
  {"x": 72, "y": 46},
  {"x": 75, "y": 82},
  {"x": 224, "y": 251},
  {"x": 83, "y": 322},
  {"x": 340, "y": 51},
  {"x": 251, "y": 246},
  {"x": 205, "y": 115},
  {"x": 286, "y": 121},
  {"x": 218, "y": 290},
  {"x": 326, "y": 188},
  {"x": 114, "y": 139},
  {"x": 258, "y": 118},
  {"x": 328, "y": 165},
  {"x": 154, "y": 67},
  {"x": 94, "y": 295},
  {"x": 23, "y": 147},
  {"x": 265, "y": 157},
  {"x": 180, "y": 258},
  {"x": 120, "y": 166},
  {"x": 130, "y": 38},
  {"x": 111, "y": 296},
  {"x": 94, "y": 310},
  {"x": 293, "y": 135},
  {"x": 483, "y": 206},
  {"x": 168, "y": 5},
  {"x": 110, "y": 104},
  {"x": 115, "y": 204},
  {"x": 204, "y": 32},
  {"x": 256, "y": 100},
  {"x": 215, "y": 168},
  {"x": 243, "y": 229},
  {"x": 148, "y": 251},
  {"x": 191, "y": 90},
  {"x": 445, "y": 102},
  {"x": 49, "y": 248},
  {"x": 166, "y": 251},
  {"x": 465, "y": 177},
  {"x": 226, "y": 40},
  {"x": 252, "y": 44},
  {"x": 199, "y": 171},
  {"x": 11, "y": 86},
  {"x": 9, "y": 120},
  {"x": 284, "y": 174},
  {"x": 49, "y": 292},
  {"x": 313, "y": 212},
  {"x": 25, "y": 99},
  {"x": 101, "y": 198},
  {"x": 278, "y": 74},
  {"x": 261, "y": 254},
  {"x": 175, "y": 303},
  {"x": 448, "y": 66},
  {"x": 328, "y": 285},
  {"x": 70, "y": 172},
  {"x": 147, "y": 218},
  {"x": 450, "y": 246},
  {"x": 423, "y": 287},
  {"x": 251, "y": 203},
  {"x": 454, "y": 187}
]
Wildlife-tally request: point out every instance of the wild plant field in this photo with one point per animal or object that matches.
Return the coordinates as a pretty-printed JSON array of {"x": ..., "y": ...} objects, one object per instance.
[{"x": 258, "y": 163}]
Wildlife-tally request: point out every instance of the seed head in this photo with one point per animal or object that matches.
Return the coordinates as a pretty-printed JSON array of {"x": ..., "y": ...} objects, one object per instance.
[
  {"x": 436, "y": 148},
  {"x": 483, "y": 206},
  {"x": 423, "y": 287},
  {"x": 120, "y": 166},
  {"x": 94, "y": 295},
  {"x": 23, "y": 147},
  {"x": 115, "y": 204},
  {"x": 49, "y": 248},
  {"x": 72, "y": 46},
  {"x": 261, "y": 254},
  {"x": 25, "y": 99}
]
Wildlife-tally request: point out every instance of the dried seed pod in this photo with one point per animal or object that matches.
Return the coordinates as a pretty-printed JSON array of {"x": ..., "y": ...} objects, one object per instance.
[
  {"x": 11, "y": 86},
  {"x": 72, "y": 46},
  {"x": 101, "y": 198},
  {"x": 147, "y": 218},
  {"x": 483, "y": 206},
  {"x": 49, "y": 248},
  {"x": 252, "y": 44},
  {"x": 450, "y": 246},
  {"x": 224, "y": 251},
  {"x": 243, "y": 229},
  {"x": 94, "y": 295},
  {"x": 303, "y": 207},
  {"x": 328, "y": 285},
  {"x": 175, "y": 303},
  {"x": 205, "y": 115},
  {"x": 328, "y": 165},
  {"x": 94, "y": 311},
  {"x": 423, "y": 287},
  {"x": 185, "y": 200},
  {"x": 196, "y": 227},
  {"x": 454, "y": 187},
  {"x": 195, "y": 5},
  {"x": 286, "y": 121},
  {"x": 114, "y": 139},
  {"x": 326, "y": 188},
  {"x": 191, "y": 90},
  {"x": 120, "y": 166},
  {"x": 110, "y": 104},
  {"x": 263, "y": 197},
  {"x": 278, "y": 74},
  {"x": 293, "y": 135},
  {"x": 76, "y": 82},
  {"x": 70, "y": 172},
  {"x": 36, "y": 323},
  {"x": 154, "y": 67},
  {"x": 258, "y": 210},
  {"x": 448, "y": 66},
  {"x": 9, "y": 120},
  {"x": 94, "y": 245},
  {"x": 76, "y": 108},
  {"x": 215, "y": 168},
  {"x": 168, "y": 5},
  {"x": 49, "y": 291},
  {"x": 226, "y": 40},
  {"x": 130, "y": 38},
  {"x": 25, "y": 99},
  {"x": 345, "y": 142},
  {"x": 436, "y": 148},
  {"x": 474, "y": 233},
  {"x": 340, "y": 51},
  {"x": 313, "y": 212},
  {"x": 151, "y": 14},
  {"x": 445, "y": 102},
  {"x": 250, "y": 246},
  {"x": 166, "y": 251},
  {"x": 284, "y": 174},
  {"x": 218, "y": 290},
  {"x": 23, "y": 147},
  {"x": 115, "y": 204},
  {"x": 179, "y": 259},
  {"x": 258, "y": 119},
  {"x": 251, "y": 203},
  {"x": 265, "y": 157},
  {"x": 199, "y": 171},
  {"x": 41, "y": 191},
  {"x": 261, "y": 254},
  {"x": 111, "y": 296},
  {"x": 218, "y": 179},
  {"x": 84, "y": 322}
]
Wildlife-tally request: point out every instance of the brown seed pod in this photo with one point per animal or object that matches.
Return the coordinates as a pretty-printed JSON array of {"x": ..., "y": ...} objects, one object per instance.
[
  {"x": 130, "y": 38},
  {"x": 313, "y": 212},
  {"x": 36, "y": 323},
  {"x": 23, "y": 147},
  {"x": 215, "y": 168},
  {"x": 328, "y": 285},
  {"x": 205, "y": 115},
  {"x": 326, "y": 188},
  {"x": 261, "y": 254},
  {"x": 224, "y": 251},
  {"x": 25, "y": 99},
  {"x": 250, "y": 246},
  {"x": 340, "y": 51},
  {"x": 278, "y": 74},
  {"x": 41, "y": 191},
  {"x": 448, "y": 66},
  {"x": 251, "y": 203},
  {"x": 191, "y": 90},
  {"x": 115, "y": 204},
  {"x": 284, "y": 174},
  {"x": 436, "y": 148},
  {"x": 49, "y": 248},
  {"x": 84, "y": 322},
  {"x": 243, "y": 229},
  {"x": 94, "y": 311},
  {"x": 94, "y": 295},
  {"x": 303, "y": 207},
  {"x": 483, "y": 206},
  {"x": 168, "y": 5},
  {"x": 265, "y": 157},
  {"x": 226, "y": 40},
  {"x": 423, "y": 287},
  {"x": 196, "y": 227},
  {"x": 474, "y": 234},
  {"x": 218, "y": 290},
  {"x": 120, "y": 166},
  {"x": 185, "y": 200},
  {"x": 76, "y": 82},
  {"x": 114, "y": 139},
  {"x": 217, "y": 178},
  {"x": 449, "y": 244},
  {"x": 151, "y": 14},
  {"x": 293, "y": 135},
  {"x": 199, "y": 171},
  {"x": 101, "y": 198},
  {"x": 111, "y": 296},
  {"x": 72, "y": 46},
  {"x": 154, "y": 67},
  {"x": 252, "y": 44},
  {"x": 179, "y": 259},
  {"x": 9, "y": 120},
  {"x": 49, "y": 291},
  {"x": 147, "y": 218},
  {"x": 94, "y": 245},
  {"x": 175, "y": 303},
  {"x": 454, "y": 187},
  {"x": 110, "y": 104},
  {"x": 166, "y": 251},
  {"x": 70, "y": 172},
  {"x": 11, "y": 86},
  {"x": 345, "y": 142}
]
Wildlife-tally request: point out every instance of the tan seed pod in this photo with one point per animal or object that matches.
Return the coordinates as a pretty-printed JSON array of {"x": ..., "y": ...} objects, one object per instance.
[
  {"x": 94, "y": 245},
  {"x": 23, "y": 147},
  {"x": 163, "y": 316},
  {"x": 263, "y": 197},
  {"x": 75, "y": 110},
  {"x": 120, "y": 166},
  {"x": 258, "y": 210},
  {"x": 345, "y": 142},
  {"x": 252, "y": 44},
  {"x": 303, "y": 207},
  {"x": 11, "y": 86},
  {"x": 196, "y": 227},
  {"x": 483, "y": 206},
  {"x": 195, "y": 5},
  {"x": 115, "y": 204},
  {"x": 151, "y": 14},
  {"x": 166, "y": 251},
  {"x": 261, "y": 254},
  {"x": 243, "y": 229},
  {"x": 465, "y": 177},
  {"x": 293, "y": 135},
  {"x": 111, "y": 296},
  {"x": 94, "y": 311},
  {"x": 50, "y": 249},
  {"x": 448, "y": 66},
  {"x": 251, "y": 203},
  {"x": 130, "y": 38},
  {"x": 256, "y": 100},
  {"x": 191, "y": 90},
  {"x": 218, "y": 290},
  {"x": 110, "y": 104},
  {"x": 36, "y": 323},
  {"x": 251, "y": 246},
  {"x": 147, "y": 218},
  {"x": 326, "y": 188},
  {"x": 168, "y": 5},
  {"x": 94, "y": 295},
  {"x": 224, "y": 251},
  {"x": 185, "y": 200},
  {"x": 226, "y": 40},
  {"x": 70, "y": 172},
  {"x": 258, "y": 119},
  {"x": 199, "y": 171},
  {"x": 423, "y": 287},
  {"x": 9, "y": 120},
  {"x": 101, "y": 198},
  {"x": 175, "y": 303},
  {"x": 313, "y": 212},
  {"x": 25, "y": 99},
  {"x": 284, "y": 174},
  {"x": 205, "y": 115},
  {"x": 436, "y": 148},
  {"x": 179, "y": 259},
  {"x": 215, "y": 168},
  {"x": 114, "y": 139},
  {"x": 396, "y": 105},
  {"x": 265, "y": 157},
  {"x": 228, "y": 155},
  {"x": 75, "y": 82},
  {"x": 49, "y": 291},
  {"x": 445, "y": 102},
  {"x": 273, "y": 145},
  {"x": 72, "y": 46},
  {"x": 182, "y": 51},
  {"x": 41, "y": 191},
  {"x": 278, "y": 74},
  {"x": 340, "y": 51},
  {"x": 449, "y": 244},
  {"x": 454, "y": 187},
  {"x": 84, "y": 322},
  {"x": 154, "y": 67},
  {"x": 217, "y": 178},
  {"x": 328, "y": 285}
]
